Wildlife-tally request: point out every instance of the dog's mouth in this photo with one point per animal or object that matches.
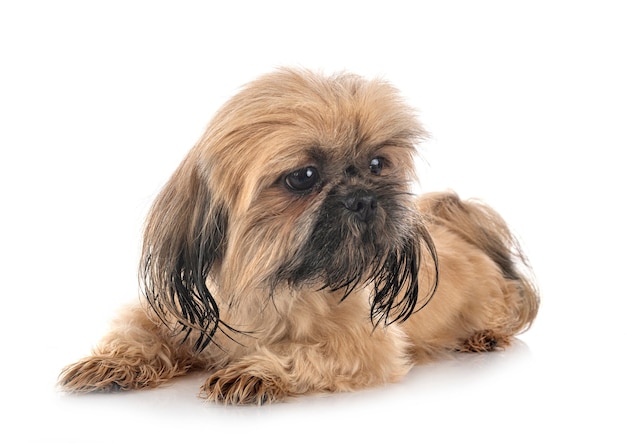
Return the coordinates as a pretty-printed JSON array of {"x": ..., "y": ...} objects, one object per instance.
[{"x": 361, "y": 239}]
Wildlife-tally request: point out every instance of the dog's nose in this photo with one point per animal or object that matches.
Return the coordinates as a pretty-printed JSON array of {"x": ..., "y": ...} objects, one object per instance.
[{"x": 363, "y": 203}]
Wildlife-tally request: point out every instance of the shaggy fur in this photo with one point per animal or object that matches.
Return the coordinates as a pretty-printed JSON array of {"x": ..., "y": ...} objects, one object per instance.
[{"x": 287, "y": 255}]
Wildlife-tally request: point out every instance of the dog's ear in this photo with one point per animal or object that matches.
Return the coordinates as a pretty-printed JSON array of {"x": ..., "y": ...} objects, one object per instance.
[
  {"x": 184, "y": 238},
  {"x": 399, "y": 283}
]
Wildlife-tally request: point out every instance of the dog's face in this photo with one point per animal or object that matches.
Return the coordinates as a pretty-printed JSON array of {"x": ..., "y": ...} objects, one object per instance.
[{"x": 300, "y": 180}]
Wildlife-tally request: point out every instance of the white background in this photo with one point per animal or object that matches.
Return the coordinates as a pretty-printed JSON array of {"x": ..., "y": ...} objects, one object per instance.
[{"x": 525, "y": 101}]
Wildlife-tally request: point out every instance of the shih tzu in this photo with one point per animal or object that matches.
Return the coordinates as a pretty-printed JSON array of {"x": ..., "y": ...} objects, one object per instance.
[{"x": 288, "y": 255}]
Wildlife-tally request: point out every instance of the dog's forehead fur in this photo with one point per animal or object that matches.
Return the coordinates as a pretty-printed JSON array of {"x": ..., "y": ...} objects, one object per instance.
[{"x": 292, "y": 118}]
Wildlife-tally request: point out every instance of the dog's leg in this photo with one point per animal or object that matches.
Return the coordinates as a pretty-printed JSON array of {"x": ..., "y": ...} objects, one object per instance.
[
  {"x": 335, "y": 352},
  {"x": 271, "y": 375},
  {"x": 133, "y": 355},
  {"x": 484, "y": 298}
]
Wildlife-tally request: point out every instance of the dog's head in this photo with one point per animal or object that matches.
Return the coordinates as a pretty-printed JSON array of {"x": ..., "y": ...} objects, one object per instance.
[{"x": 299, "y": 180}]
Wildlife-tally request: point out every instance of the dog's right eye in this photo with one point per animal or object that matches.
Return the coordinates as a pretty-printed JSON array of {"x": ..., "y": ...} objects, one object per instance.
[{"x": 302, "y": 180}]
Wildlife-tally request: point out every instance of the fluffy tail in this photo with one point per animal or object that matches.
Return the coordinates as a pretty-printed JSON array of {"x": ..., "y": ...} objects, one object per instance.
[{"x": 481, "y": 226}]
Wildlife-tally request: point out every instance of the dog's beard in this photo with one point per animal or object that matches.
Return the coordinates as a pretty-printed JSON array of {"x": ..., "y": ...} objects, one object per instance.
[{"x": 345, "y": 253}]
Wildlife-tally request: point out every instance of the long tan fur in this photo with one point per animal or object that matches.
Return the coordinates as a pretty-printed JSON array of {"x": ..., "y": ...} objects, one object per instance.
[{"x": 287, "y": 255}]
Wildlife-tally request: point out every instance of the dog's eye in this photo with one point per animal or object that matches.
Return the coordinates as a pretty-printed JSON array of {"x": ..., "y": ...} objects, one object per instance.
[
  {"x": 302, "y": 180},
  {"x": 376, "y": 165}
]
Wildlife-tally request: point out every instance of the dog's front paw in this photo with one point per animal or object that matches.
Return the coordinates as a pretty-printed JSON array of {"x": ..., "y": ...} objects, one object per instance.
[
  {"x": 240, "y": 386},
  {"x": 101, "y": 373}
]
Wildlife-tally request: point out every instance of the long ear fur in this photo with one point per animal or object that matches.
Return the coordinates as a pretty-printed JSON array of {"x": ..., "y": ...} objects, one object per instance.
[
  {"x": 397, "y": 290},
  {"x": 184, "y": 237}
]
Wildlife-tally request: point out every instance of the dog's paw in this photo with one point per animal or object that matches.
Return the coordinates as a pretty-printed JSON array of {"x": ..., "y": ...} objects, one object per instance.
[
  {"x": 485, "y": 341},
  {"x": 100, "y": 373},
  {"x": 238, "y": 386}
]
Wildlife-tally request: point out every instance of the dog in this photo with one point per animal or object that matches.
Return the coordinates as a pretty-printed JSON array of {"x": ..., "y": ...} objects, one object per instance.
[{"x": 288, "y": 254}]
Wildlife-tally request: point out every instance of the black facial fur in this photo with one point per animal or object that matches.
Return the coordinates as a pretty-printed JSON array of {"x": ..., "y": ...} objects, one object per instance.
[{"x": 356, "y": 241}]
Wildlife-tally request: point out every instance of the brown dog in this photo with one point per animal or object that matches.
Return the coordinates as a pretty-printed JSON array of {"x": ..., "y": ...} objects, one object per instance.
[{"x": 287, "y": 254}]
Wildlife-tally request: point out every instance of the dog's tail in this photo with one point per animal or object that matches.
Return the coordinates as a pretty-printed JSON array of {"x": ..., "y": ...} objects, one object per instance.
[{"x": 481, "y": 226}]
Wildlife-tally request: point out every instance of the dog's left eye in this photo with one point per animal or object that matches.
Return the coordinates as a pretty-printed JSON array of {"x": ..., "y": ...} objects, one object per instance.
[
  {"x": 303, "y": 179},
  {"x": 376, "y": 165}
]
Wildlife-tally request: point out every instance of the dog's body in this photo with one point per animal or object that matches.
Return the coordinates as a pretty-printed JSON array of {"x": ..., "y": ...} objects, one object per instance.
[{"x": 287, "y": 255}]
